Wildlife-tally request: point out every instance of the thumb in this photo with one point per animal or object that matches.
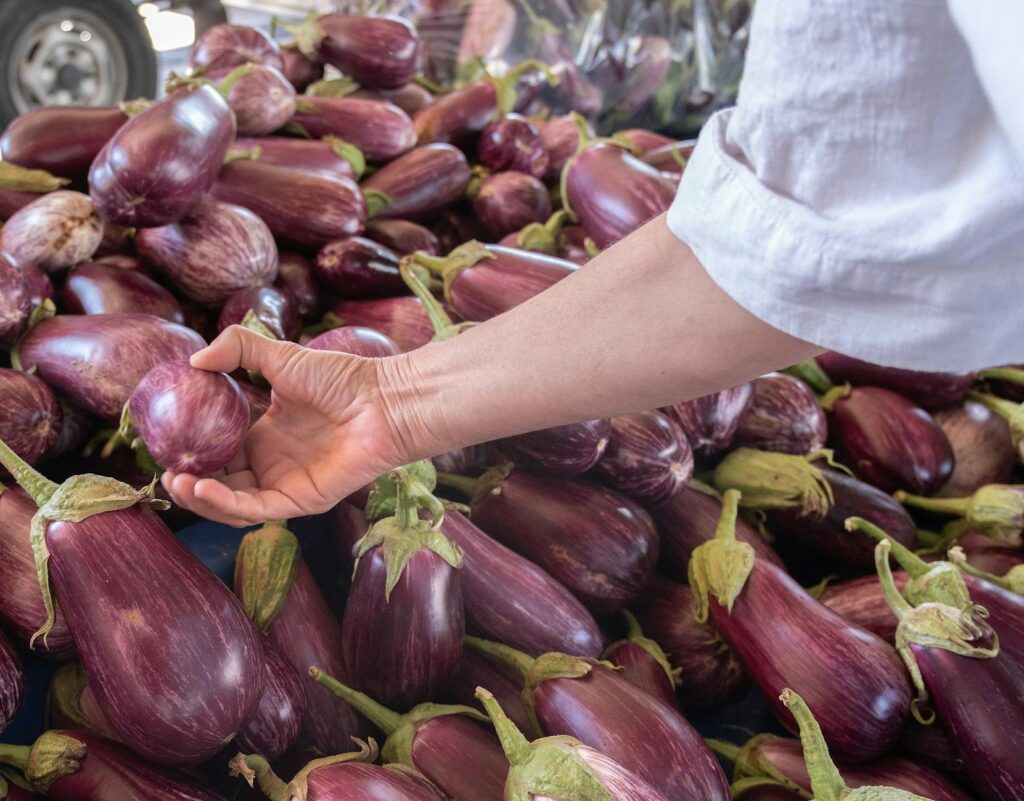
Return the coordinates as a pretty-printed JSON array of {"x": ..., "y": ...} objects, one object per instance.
[{"x": 239, "y": 347}]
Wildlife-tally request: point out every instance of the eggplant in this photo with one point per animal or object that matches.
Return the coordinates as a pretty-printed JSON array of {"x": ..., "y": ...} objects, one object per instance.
[
  {"x": 930, "y": 391},
  {"x": 191, "y": 421},
  {"x": 155, "y": 169},
  {"x": 931, "y": 746},
  {"x": 983, "y": 451},
  {"x": 561, "y": 138},
  {"x": 318, "y": 210},
  {"x": 277, "y": 720},
  {"x": 861, "y": 602},
  {"x": 417, "y": 184},
  {"x": 574, "y": 90},
  {"x": 508, "y": 201},
  {"x": 75, "y": 428},
  {"x": 299, "y": 69},
  {"x": 62, "y": 140},
  {"x": 404, "y": 237},
  {"x": 711, "y": 422},
  {"x": 98, "y": 288},
  {"x": 97, "y": 360},
  {"x": 410, "y": 98},
  {"x": 763, "y": 791},
  {"x": 30, "y": 416},
  {"x": 175, "y": 665},
  {"x": 566, "y": 451},
  {"x": 457, "y": 117},
  {"x": 648, "y": 458},
  {"x": 650, "y": 60},
  {"x": 463, "y": 460},
  {"x": 222, "y": 48},
  {"x": 55, "y": 232},
  {"x": 600, "y": 545},
  {"x": 437, "y": 740},
  {"x": 381, "y": 131},
  {"x": 1006, "y": 382},
  {"x": 264, "y": 309},
  {"x": 546, "y": 237},
  {"x": 403, "y": 320},
  {"x": 454, "y": 227},
  {"x": 356, "y": 340},
  {"x": 295, "y": 278},
  {"x": 672, "y": 157},
  {"x": 784, "y": 638},
  {"x": 783, "y": 415},
  {"x": 1011, "y": 411},
  {"x": 995, "y": 510},
  {"x": 37, "y": 284},
  {"x": 76, "y": 765},
  {"x": 359, "y": 268},
  {"x": 15, "y": 308},
  {"x": 613, "y": 193},
  {"x": 261, "y": 98},
  {"x": 589, "y": 701},
  {"x": 329, "y": 156},
  {"x": 12, "y": 682},
  {"x": 644, "y": 663},
  {"x": 375, "y": 51},
  {"x": 476, "y": 670},
  {"x": 11, "y": 200},
  {"x": 985, "y": 554},
  {"x": 513, "y": 143},
  {"x": 276, "y": 586},
  {"x": 126, "y": 261}
]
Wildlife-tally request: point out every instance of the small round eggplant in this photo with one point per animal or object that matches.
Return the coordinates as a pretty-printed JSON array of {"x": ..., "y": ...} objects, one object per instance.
[
  {"x": 711, "y": 422},
  {"x": 982, "y": 448},
  {"x": 476, "y": 670},
  {"x": 359, "y": 268},
  {"x": 30, "y": 416},
  {"x": 261, "y": 98},
  {"x": 299, "y": 69},
  {"x": 513, "y": 143},
  {"x": 376, "y": 51},
  {"x": 55, "y": 232},
  {"x": 295, "y": 278},
  {"x": 277, "y": 720},
  {"x": 224, "y": 47},
  {"x": 783, "y": 415},
  {"x": 357, "y": 340},
  {"x": 568, "y": 450},
  {"x": 931, "y": 391},
  {"x": 561, "y": 137},
  {"x": 382, "y": 131},
  {"x": 404, "y": 237},
  {"x": 12, "y": 682},
  {"x": 192, "y": 421},
  {"x": 419, "y": 183},
  {"x": 99, "y": 288},
  {"x": 403, "y": 320},
  {"x": 648, "y": 458},
  {"x": 62, "y": 140},
  {"x": 15, "y": 307},
  {"x": 272, "y": 309},
  {"x": 508, "y": 201},
  {"x": 644, "y": 663}
]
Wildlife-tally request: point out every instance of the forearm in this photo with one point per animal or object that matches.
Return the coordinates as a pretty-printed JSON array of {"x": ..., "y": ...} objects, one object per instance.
[{"x": 640, "y": 326}]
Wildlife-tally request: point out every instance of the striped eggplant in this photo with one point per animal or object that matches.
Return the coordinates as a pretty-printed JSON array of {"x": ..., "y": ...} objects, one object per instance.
[
  {"x": 299, "y": 69},
  {"x": 277, "y": 719},
  {"x": 403, "y": 320},
  {"x": 423, "y": 181},
  {"x": 375, "y": 51},
  {"x": 261, "y": 98},
  {"x": 159, "y": 164},
  {"x": 487, "y": 33},
  {"x": 410, "y": 98},
  {"x": 224, "y": 47},
  {"x": 644, "y": 663},
  {"x": 97, "y": 360},
  {"x": 642, "y": 141},
  {"x": 75, "y": 427},
  {"x": 12, "y": 682},
  {"x": 929, "y": 745},
  {"x": 566, "y": 451},
  {"x": 561, "y": 137},
  {"x": 457, "y": 117},
  {"x": 931, "y": 391},
  {"x": 861, "y": 602},
  {"x": 295, "y": 278},
  {"x": 262, "y": 308},
  {"x": 173, "y": 662},
  {"x": 30, "y": 415},
  {"x": 476, "y": 670},
  {"x": 513, "y": 143},
  {"x": 356, "y": 340},
  {"x": 984, "y": 553},
  {"x": 474, "y": 458},
  {"x": 62, "y": 140},
  {"x": 783, "y": 415},
  {"x": 404, "y": 237},
  {"x": 508, "y": 201},
  {"x": 711, "y": 422},
  {"x": 359, "y": 268},
  {"x": 99, "y": 288},
  {"x": 381, "y": 131},
  {"x": 329, "y": 156},
  {"x": 547, "y": 237},
  {"x": 983, "y": 451},
  {"x": 55, "y": 232},
  {"x": 15, "y": 300},
  {"x": 784, "y": 637}
]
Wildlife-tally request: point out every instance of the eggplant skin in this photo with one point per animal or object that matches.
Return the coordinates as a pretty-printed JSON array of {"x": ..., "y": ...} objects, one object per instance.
[
  {"x": 476, "y": 670},
  {"x": 378, "y": 52},
  {"x": 644, "y": 671},
  {"x": 422, "y": 181},
  {"x": 568, "y": 450},
  {"x": 277, "y": 720},
  {"x": 58, "y": 230},
  {"x": 355, "y": 781},
  {"x": 98, "y": 288},
  {"x": 711, "y": 422},
  {"x": 382, "y": 131},
  {"x": 357, "y": 340},
  {"x": 622, "y": 784},
  {"x": 272, "y": 307},
  {"x": 30, "y": 416},
  {"x": 445, "y": 746},
  {"x": 359, "y": 268},
  {"x": 62, "y": 140},
  {"x": 403, "y": 320},
  {"x": 14, "y": 301},
  {"x": 403, "y": 236},
  {"x": 12, "y": 682},
  {"x": 783, "y": 415},
  {"x": 224, "y": 47},
  {"x": 509, "y": 201},
  {"x": 982, "y": 448},
  {"x": 931, "y": 391}
]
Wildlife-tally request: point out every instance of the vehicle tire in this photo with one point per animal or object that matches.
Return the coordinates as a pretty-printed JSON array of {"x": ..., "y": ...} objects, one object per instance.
[{"x": 87, "y": 52}]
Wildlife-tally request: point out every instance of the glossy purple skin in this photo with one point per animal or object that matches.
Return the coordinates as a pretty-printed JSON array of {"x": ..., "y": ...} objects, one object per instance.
[
  {"x": 891, "y": 443},
  {"x": 457, "y": 116},
  {"x": 648, "y": 458},
  {"x": 604, "y": 711},
  {"x": 403, "y": 236},
  {"x": 566, "y": 451},
  {"x": 930, "y": 746},
  {"x": 511, "y": 600},
  {"x": 97, "y": 360},
  {"x": 854, "y": 681},
  {"x": 272, "y": 307},
  {"x": 787, "y": 757},
  {"x": 98, "y": 288},
  {"x": 381, "y": 130},
  {"x": 444, "y": 749},
  {"x": 642, "y": 670},
  {"x": 421, "y": 182},
  {"x": 475, "y": 670},
  {"x": 493, "y": 286},
  {"x": 12, "y": 682},
  {"x": 983, "y": 450},
  {"x": 403, "y": 320},
  {"x": 298, "y": 69},
  {"x": 37, "y": 284},
  {"x": 355, "y": 781},
  {"x": 15, "y": 308},
  {"x": 513, "y": 143},
  {"x": 643, "y": 140},
  {"x": 308, "y": 155},
  {"x": 75, "y": 427},
  {"x": 711, "y": 422},
  {"x": 224, "y": 47},
  {"x": 15, "y": 793},
  {"x": 462, "y": 460},
  {"x": 561, "y": 138},
  {"x": 161, "y": 162},
  {"x": 56, "y": 231},
  {"x": 988, "y": 555},
  {"x": 508, "y": 201},
  {"x": 30, "y": 416},
  {"x": 174, "y": 662},
  {"x": 783, "y": 415},
  {"x": 613, "y": 193},
  {"x": 263, "y": 100},
  {"x": 12, "y": 199},
  {"x": 599, "y": 544},
  {"x": 357, "y": 340},
  {"x": 62, "y": 140},
  {"x": 359, "y": 268},
  {"x": 928, "y": 390},
  {"x": 827, "y": 536},
  {"x": 319, "y": 208},
  {"x": 410, "y": 98},
  {"x": 295, "y": 278},
  {"x": 403, "y": 650},
  {"x": 861, "y": 602},
  {"x": 277, "y": 720},
  {"x": 376, "y": 51},
  {"x": 666, "y": 158},
  {"x": 192, "y": 421}
]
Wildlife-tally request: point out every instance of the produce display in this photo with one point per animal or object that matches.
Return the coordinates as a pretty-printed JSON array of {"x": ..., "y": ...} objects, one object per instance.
[{"x": 808, "y": 586}]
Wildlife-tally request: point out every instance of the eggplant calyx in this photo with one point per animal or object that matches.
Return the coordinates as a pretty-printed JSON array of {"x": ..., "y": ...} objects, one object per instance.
[
  {"x": 308, "y": 35},
  {"x": 237, "y": 154},
  {"x": 22, "y": 179},
  {"x": 414, "y": 274},
  {"x": 132, "y": 108},
  {"x": 352, "y": 154},
  {"x": 298, "y": 787},
  {"x": 829, "y": 400},
  {"x": 477, "y": 175},
  {"x": 383, "y": 500},
  {"x": 333, "y": 87},
  {"x": 826, "y": 782},
  {"x": 543, "y": 237},
  {"x": 265, "y": 570},
  {"x": 228, "y": 81},
  {"x": 1012, "y": 580},
  {"x": 53, "y": 756},
  {"x": 519, "y": 661},
  {"x": 721, "y": 566},
  {"x": 255, "y": 770},
  {"x": 770, "y": 480},
  {"x": 751, "y": 764},
  {"x": 448, "y": 269},
  {"x": 1013, "y": 375},
  {"x": 65, "y": 694},
  {"x": 505, "y": 86},
  {"x": 376, "y": 202},
  {"x": 811, "y": 373},
  {"x": 635, "y": 636}
]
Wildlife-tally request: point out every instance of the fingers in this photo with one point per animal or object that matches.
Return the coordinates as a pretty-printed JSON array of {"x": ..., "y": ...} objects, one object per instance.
[
  {"x": 239, "y": 347},
  {"x": 234, "y": 499}
]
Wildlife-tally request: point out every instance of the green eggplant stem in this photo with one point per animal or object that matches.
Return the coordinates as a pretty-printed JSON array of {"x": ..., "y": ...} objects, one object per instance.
[
  {"x": 39, "y": 488},
  {"x": 833, "y": 396},
  {"x": 513, "y": 742},
  {"x": 444, "y": 328},
  {"x": 896, "y": 601},
  {"x": 957, "y": 556},
  {"x": 517, "y": 660},
  {"x": 228, "y": 81},
  {"x": 810, "y": 373},
  {"x": 1010, "y": 374},
  {"x": 254, "y": 768},
  {"x": 464, "y": 484},
  {"x": 730, "y": 752},
  {"x": 435, "y": 264},
  {"x": 908, "y": 560},
  {"x": 826, "y": 782},
  {"x": 950, "y": 506},
  {"x": 15, "y": 755},
  {"x": 379, "y": 715},
  {"x": 633, "y": 630},
  {"x": 726, "y": 527},
  {"x": 407, "y": 511}
]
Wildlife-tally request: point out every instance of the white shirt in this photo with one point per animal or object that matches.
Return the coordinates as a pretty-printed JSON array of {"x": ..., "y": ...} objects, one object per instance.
[{"x": 867, "y": 192}]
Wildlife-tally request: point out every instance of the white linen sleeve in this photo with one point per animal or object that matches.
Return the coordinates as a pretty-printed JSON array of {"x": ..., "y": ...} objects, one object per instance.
[{"x": 862, "y": 195}]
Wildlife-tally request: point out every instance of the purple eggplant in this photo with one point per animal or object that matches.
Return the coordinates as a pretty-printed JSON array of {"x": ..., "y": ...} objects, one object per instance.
[
  {"x": 644, "y": 663},
  {"x": 410, "y": 98},
  {"x": 574, "y": 90},
  {"x": 375, "y": 51},
  {"x": 476, "y": 670},
  {"x": 508, "y": 201},
  {"x": 15, "y": 306},
  {"x": 75, "y": 427},
  {"x": 648, "y": 458},
  {"x": 37, "y": 284},
  {"x": 513, "y": 143},
  {"x": 161, "y": 162},
  {"x": 98, "y": 288},
  {"x": 356, "y": 340},
  {"x": 12, "y": 682},
  {"x": 985, "y": 554},
  {"x": 299, "y": 69},
  {"x": 359, "y": 268},
  {"x": 126, "y": 261},
  {"x": 861, "y": 602},
  {"x": 224, "y": 47},
  {"x": 601, "y": 708},
  {"x": 649, "y": 62},
  {"x": 437, "y": 740},
  {"x": 983, "y": 451},
  {"x": 783, "y": 415},
  {"x": 763, "y": 791},
  {"x": 642, "y": 141},
  {"x": 55, "y": 232},
  {"x": 30, "y": 416},
  {"x": 421, "y": 182},
  {"x": 169, "y": 653},
  {"x": 567, "y": 451},
  {"x": 11, "y": 200},
  {"x": 995, "y": 510},
  {"x": 784, "y": 638},
  {"x": 454, "y": 227},
  {"x": 191, "y": 421},
  {"x": 295, "y": 278},
  {"x": 330, "y": 157},
  {"x": 672, "y": 157},
  {"x": 613, "y": 193},
  {"x": 929, "y": 745},
  {"x": 403, "y": 320},
  {"x": 71, "y": 703},
  {"x": 277, "y": 720},
  {"x": 463, "y": 460},
  {"x": 263, "y": 309},
  {"x": 711, "y": 422},
  {"x": 319, "y": 208},
  {"x": 543, "y": 237},
  {"x": 929, "y": 390},
  {"x": 261, "y": 98},
  {"x": 561, "y": 138},
  {"x": 458, "y": 116},
  {"x": 404, "y": 237},
  {"x": 62, "y": 140},
  {"x": 98, "y": 359},
  {"x": 382, "y": 131}
]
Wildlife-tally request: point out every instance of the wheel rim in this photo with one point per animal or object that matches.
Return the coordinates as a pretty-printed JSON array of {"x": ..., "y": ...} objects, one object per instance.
[{"x": 67, "y": 56}]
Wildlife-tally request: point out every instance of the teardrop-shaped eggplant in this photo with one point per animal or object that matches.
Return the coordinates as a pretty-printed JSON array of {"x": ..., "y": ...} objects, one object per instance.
[
  {"x": 404, "y": 237},
  {"x": 403, "y": 320},
  {"x": 319, "y": 156},
  {"x": 277, "y": 720},
  {"x": 30, "y": 417},
  {"x": 376, "y": 51},
  {"x": 264, "y": 306},
  {"x": 507, "y": 201},
  {"x": 356, "y": 340},
  {"x": 643, "y": 662},
  {"x": 382, "y": 131},
  {"x": 99, "y": 288},
  {"x": 12, "y": 682},
  {"x": 711, "y": 422},
  {"x": 513, "y": 143},
  {"x": 62, "y": 140},
  {"x": 418, "y": 183},
  {"x": 783, "y": 415},
  {"x": 359, "y": 268},
  {"x": 568, "y": 450},
  {"x": 58, "y": 230},
  {"x": 982, "y": 448},
  {"x": 224, "y": 47},
  {"x": 260, "y": 97},
  {"x": 295, "y": 278},
  {"x": 648, "y": 458},
  {"x": 929, "y": 390}
]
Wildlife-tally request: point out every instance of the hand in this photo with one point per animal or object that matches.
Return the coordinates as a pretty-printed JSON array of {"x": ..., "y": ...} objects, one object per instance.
[{"x": 327, "y": 433}]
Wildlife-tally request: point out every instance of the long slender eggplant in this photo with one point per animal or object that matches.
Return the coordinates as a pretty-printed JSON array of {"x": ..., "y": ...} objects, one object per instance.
[
  {"x": 417, "y": 184},
  {"x": 459, "y": 116},
  {"x": 224, "y": 47},
  {"x": 784, "y": 637},
  {"x": 319, "y": 208},
  {"x": 359, "y": 268},
  {"x": 62, "y": 140},
  {"x": 404, "y": 237},
  {"x": 277, "y": 720},
  {"x": 264, "y": 307},
  {"x": 375, "y": 51},
  {"x": 55, "y": 232},
  {"x": 861, "y": 602},
  {"x": 15, "y": 301},
  {"x": 513, "y": 143},
  {"x": 508, "y": 201},
  {"x": 295, "y": 278},
  {"x": 98, "y": 359},
  {"x": 711, "y": 422},
  {"x": 12, "y": 682},
  {"x": 410, "y": 98},
  {"x": 644, "y": 663},
  {"x": 98, "y": 288},
  {"x": 169, "y": 653},
  {"x": 356, "y": 340},
  {"x": 929, "y": 390},
  {"x": 403, "y": 320},
  {"x": 783, "y": 415},
  {"x": 930, "y": 746},
  {"x": 476, "y": 670},
  {"x": 155, "y": 169},
  {"x": 329, "y": 156},
  {"x": 261, "y": 98},
  {"x": 30, "y": 416},
  {"x": 983, "y": 452},
  {"x": 299, "y": 69},
  {"x": 648, "y": 458},
  {"x": 437, "y": 740},
  {"x": 381, "y": 131}
]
